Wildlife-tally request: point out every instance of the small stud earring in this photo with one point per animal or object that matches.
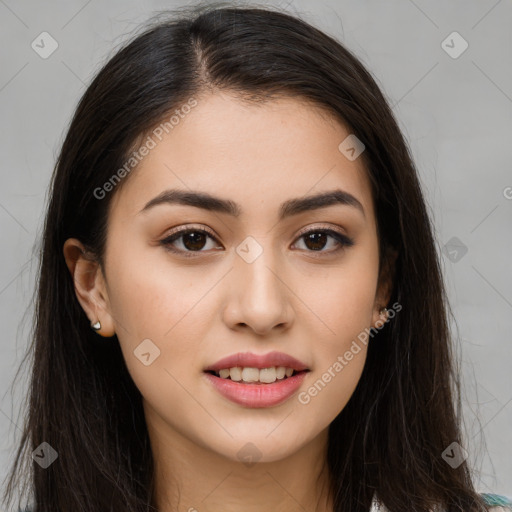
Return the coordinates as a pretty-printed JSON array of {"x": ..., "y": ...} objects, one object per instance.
[
  {"x": 383, "y": 311},
  {"x": 96, "y": 326}
]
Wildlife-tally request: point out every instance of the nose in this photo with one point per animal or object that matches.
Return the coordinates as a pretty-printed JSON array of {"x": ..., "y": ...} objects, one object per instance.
[{"x": 259, "y": 296}]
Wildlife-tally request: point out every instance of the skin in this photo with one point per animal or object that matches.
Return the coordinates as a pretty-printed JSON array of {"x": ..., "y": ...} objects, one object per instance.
[{"x": 309, "y": 304}]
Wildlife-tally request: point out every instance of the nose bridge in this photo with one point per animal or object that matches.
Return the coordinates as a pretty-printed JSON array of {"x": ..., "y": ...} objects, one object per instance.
[
  {"x": 256, "y": 266},
  {"x": 262, "y": 297}
]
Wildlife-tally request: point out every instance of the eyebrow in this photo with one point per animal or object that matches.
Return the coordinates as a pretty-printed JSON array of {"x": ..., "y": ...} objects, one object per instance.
[{"x": 288, "y": 208}]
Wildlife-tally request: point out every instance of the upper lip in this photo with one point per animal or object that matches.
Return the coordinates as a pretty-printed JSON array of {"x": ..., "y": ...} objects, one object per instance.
[{"x": 248, "y": 359}]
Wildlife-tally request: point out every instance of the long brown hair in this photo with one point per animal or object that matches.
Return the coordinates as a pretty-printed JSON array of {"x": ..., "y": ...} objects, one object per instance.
[{"x": 390, "y": 437}]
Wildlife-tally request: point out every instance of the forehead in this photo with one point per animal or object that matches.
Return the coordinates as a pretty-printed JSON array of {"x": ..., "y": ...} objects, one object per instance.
[{"x": 253, "y": 154}]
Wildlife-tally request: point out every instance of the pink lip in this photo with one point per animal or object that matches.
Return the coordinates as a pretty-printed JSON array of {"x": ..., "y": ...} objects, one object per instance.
[
  {"x": 257, "y": 394},
  {"x": 248, "y": 359}
]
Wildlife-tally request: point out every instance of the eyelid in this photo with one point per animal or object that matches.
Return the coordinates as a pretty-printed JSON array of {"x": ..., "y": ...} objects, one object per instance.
[
  {"x": 342, "y": 239},
  {"x": 320, "y": 227},
  {"x": 190, "y": 227},
  {"x": 178, "y": 232}
]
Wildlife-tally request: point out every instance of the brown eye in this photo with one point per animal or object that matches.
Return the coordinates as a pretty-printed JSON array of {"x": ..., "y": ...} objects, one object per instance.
[
  {"x": 316, "y": 240},
  {"x": 195, "y": 240},
  {"x": 192, "y": 240}
]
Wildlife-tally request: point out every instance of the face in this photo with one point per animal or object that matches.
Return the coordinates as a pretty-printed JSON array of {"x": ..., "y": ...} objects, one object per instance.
[{"x": 259, "y": 270}]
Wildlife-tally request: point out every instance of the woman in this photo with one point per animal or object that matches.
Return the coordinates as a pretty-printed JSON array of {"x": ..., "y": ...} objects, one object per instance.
[{"x": 240, "y": 303}]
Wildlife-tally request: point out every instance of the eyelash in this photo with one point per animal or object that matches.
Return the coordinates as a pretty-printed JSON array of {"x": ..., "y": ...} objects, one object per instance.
[{"x": 343, "y": 240}]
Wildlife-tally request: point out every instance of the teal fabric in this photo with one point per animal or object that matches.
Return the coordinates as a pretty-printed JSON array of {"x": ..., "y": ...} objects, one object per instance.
[{"x": 497, "y": 500}]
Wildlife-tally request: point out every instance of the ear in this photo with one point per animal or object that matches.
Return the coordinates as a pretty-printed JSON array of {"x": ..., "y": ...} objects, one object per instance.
[
  {"x": 90, "y": 287},
  {"x": 385, "y": 285}
]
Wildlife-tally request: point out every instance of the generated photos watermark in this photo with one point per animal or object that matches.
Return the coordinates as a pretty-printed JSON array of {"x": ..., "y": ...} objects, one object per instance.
[
  {"x": 150, "y": 143},
  {"x": 343, "y": 360}
]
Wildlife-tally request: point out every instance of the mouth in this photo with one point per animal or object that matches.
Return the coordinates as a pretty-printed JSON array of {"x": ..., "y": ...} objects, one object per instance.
[
  {"x": 256, "y": 376},
  {"x": 251, "y": 390},
  {"x": 256, "y": 380}
]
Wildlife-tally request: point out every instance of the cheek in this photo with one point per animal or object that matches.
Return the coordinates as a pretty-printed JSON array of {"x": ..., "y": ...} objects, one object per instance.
[
  {"x": 332, "y": 385},
  {"x": 339, "y": 362},
  {"x": 344, "y": 300},
  {"x": 147, "y": 295},
  {"x": 159, "y": 312},
  {"x": 152, "y": 300},
  {"x": 342, "y": 297}
]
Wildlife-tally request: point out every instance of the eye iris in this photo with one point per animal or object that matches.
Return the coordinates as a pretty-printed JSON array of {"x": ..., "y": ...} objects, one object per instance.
[
  {"x": 196, "y": 238},
  {"x": 319, "y": 240}
]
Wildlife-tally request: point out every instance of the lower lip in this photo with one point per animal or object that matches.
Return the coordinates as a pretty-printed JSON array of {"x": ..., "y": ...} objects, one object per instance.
[{"x": 257, "y": 395}]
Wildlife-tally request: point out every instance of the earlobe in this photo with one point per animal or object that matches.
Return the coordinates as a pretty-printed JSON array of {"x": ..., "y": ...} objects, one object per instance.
[{"x": 89, "y": 286}]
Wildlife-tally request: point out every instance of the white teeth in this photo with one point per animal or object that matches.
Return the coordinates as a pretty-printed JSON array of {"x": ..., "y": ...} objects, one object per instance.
[
  {"x": 268, "y": 375},
  {"x": 224, "y": 373},
  {"x": 235, "y": 373},
  {"x": 249, "y": 374}
]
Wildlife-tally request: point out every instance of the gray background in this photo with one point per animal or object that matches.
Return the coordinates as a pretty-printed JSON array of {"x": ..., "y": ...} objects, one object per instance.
[{"x": 456, "y": 114}]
